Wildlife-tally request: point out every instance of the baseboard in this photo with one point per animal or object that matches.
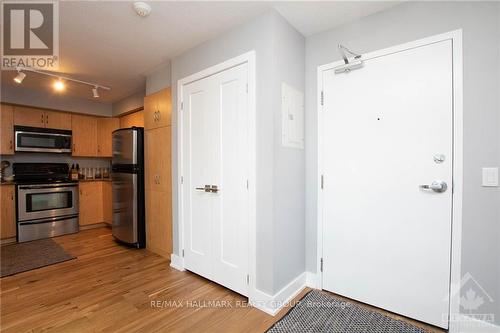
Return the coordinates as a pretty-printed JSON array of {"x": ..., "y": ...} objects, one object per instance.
[
  {"x": 312, "y": 280},
  {"x": 272, "y": 304},
  {"x": 470, "y": 324},
  {"x": 94, "y": 226},
  {"x": 177, "y": 262},
  {"x": 7, "y": 241}
]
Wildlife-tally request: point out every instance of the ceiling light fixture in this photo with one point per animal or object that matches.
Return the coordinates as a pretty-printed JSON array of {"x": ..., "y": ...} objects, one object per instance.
[
  {"x": 19, "y": 77},
  {"x": 60, "y": 84},
  {"x": 142, "y": 9}
]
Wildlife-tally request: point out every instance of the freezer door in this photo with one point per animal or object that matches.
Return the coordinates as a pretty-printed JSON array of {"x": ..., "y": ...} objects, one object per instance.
[
  {"x": 125, "y": 146},
  {"x": 125, "y": 207}
]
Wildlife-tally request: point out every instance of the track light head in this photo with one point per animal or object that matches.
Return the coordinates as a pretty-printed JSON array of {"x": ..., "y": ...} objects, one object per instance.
[
  {"x": 59, "y": 85},
  {"x": 19, "y": 77},
  {"x": 95, "y": 93}
]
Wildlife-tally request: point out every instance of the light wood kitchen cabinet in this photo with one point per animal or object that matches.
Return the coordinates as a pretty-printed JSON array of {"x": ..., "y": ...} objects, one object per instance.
[
  {"x": 107, "y": 199},
  {"x": 132, "y": 119},
  {"x": 58, "y": 120},
  {"x": 105, "y": 128},
  {"x": 158, "y": 109},
  {"x": 91, "y": 202},
  {"x": 7, "y": 212},
  {"x": 33, "y": 117},
  {"x": 158, "y": 163},
  {"x": 158, "y": 225},
  {"x": 84, "y": 135},
  {"x": 7, "y": 130}
]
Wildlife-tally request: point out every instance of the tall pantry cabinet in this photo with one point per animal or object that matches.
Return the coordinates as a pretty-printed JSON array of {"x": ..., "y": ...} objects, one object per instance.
[{"x": 158, "y": 171}]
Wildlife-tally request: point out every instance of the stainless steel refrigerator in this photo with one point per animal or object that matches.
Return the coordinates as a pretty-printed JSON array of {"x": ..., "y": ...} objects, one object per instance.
[{"x": 127, "y": 175}]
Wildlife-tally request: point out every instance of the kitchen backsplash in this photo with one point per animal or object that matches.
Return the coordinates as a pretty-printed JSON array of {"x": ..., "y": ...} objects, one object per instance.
[{"x": 83, "y": 162}]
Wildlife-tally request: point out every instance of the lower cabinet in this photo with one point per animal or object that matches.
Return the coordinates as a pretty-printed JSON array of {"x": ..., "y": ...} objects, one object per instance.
[
  {"x": 7, "y": 212},
  {"x": 158, "y": 222},
  {"x": 95, "y": 202}
]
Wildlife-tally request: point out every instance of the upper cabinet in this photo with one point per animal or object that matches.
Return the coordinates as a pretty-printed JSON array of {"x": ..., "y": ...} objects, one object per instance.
[
  {"x": 33, "y": 117},
  {"x": 84, "y": 135},
  {"x": 105, "y": 128},
  {"x": 132, "y": 119},
  {"x": 7, "y": 130},
  {"x": 158, "y": 109}
]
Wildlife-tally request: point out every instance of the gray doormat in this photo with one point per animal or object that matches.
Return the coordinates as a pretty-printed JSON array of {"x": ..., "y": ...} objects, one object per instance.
[
  {"x": 322, "y": 312},
  {"x": 24, "y": 257}
]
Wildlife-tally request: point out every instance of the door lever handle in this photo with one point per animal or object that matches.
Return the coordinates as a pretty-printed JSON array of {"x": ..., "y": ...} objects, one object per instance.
[
  {"x": 438, "y": 186},
  {"x": 214, "y": 189},
  {"x": 204, "y": 189}
]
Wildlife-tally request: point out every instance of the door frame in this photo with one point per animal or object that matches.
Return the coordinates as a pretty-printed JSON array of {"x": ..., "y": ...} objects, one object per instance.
[
  {"x": 249, "y": 59},
  {"x": 457, "y": 165}
]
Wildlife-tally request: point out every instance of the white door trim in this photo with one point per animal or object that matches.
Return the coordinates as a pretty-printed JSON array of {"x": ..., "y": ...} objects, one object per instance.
[
  {"x": 456, "y": 237},
  {"x": 249, "y": 59}
]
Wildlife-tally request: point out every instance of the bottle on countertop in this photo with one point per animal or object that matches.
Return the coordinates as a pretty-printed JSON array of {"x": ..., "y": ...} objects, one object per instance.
[{"x": 74, "y": 172}]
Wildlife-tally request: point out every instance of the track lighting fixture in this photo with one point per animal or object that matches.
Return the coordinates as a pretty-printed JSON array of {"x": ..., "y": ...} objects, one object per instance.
[
  {"x": 60, "y": 84},
  {"x": 19, "y": 77}
]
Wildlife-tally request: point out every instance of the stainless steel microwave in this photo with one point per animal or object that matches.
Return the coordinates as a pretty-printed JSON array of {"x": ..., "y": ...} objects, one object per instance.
[{"x": 42, "y": 140}]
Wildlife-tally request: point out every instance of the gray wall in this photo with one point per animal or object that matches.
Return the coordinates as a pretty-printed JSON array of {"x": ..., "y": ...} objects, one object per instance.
[
  {"x": 38, "y": 98},
  {"x": 280, "y": 171},
  {"x": 408, "y": 22},
  {"x": 129, "y": 103},
  {"x": 158, "y": 79}
]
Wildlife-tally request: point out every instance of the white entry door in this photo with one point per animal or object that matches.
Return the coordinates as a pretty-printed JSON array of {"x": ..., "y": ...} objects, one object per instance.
[
  {"x": 215, "y": 162},
  {"x": 387, "y": 130}
]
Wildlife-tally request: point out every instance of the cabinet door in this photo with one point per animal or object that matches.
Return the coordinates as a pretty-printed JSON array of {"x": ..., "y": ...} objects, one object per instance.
[
  {"x": 159, "y": 222},
  {"x": 105, "y": 128},
  {"x": 7, "y": 207},
  {"x": 158, "y": 109},
  {"x": 107, "y": 202},
  {"x": 57, "y": 120},
  {"x": 7, "y": 130},
  {"x": 84, "y": 135},
  {"x": 157, "y": 158},
  {"x": 133, "y": 119},
  {"x": 90, "y": 203},
  {"x": 26, "y": 116}
]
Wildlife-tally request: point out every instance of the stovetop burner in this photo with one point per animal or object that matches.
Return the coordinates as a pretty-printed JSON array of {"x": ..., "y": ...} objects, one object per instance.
[{"x": 41, "y": 172}]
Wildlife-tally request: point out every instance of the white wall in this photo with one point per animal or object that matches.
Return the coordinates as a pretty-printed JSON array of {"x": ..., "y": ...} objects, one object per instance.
[
  {"x": 159, "y": 78},
  {"x": 408, "y": 22},
  {"x": 42, "y": 99},
  {"x": 280, "y": 171}
]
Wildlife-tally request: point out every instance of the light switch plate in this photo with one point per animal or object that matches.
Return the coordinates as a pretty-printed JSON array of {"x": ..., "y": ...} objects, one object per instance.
[{"x": 490, "y": 177}]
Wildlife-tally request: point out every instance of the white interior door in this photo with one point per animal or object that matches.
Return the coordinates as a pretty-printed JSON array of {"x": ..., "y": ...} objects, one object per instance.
[
  {"x": 388, "y": 129},
  {"x": 215, "y": 154}
]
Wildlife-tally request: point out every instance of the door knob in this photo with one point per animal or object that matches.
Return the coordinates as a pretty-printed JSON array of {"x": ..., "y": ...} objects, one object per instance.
[
  {"x": 436, "y": 186},
  {"x": 204, "y": 189}
]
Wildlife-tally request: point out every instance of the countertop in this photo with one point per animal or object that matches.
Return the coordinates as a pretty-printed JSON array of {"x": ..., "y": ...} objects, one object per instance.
[{"x": 80, "y": 180}]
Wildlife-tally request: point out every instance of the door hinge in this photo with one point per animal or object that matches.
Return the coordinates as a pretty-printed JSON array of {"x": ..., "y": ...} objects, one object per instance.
[
  {"x": 248, "y": 185},
  {"x": 322, "y": 98},
  {"x": 322, "y": 182},
  {"x": 248, "y": 279},
  {"x": 321, "y": 265},
  {"x": 182, "y": 180},
  {"x": 183, "y": 253},
  {"x": 182, "y": 105}
]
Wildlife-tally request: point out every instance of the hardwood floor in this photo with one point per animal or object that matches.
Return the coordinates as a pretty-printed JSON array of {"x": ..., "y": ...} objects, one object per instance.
[{"x": 110, "y": 288}]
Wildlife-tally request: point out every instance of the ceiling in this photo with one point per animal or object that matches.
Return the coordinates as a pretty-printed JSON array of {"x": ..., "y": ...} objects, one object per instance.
[{"x": 107, "y": 43}]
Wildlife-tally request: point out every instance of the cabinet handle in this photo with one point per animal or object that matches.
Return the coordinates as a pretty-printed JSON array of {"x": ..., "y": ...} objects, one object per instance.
[
  {"x": 74, "y": 149},
  {"x": 10, "y": 144},
  {"x": 47, "y": 119},
  {"x": 159, "y": 115},
  {"x": 42, "y": 118}
]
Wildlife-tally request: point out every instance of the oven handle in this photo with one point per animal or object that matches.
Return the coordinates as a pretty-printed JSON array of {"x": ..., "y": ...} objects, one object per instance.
[
  {"x": 53, "y": 219},
  {"x": 34, "y": 187}
]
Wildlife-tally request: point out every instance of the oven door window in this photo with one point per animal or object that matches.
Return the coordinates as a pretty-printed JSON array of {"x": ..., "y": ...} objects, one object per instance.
[{"x": 36, "y": 202}]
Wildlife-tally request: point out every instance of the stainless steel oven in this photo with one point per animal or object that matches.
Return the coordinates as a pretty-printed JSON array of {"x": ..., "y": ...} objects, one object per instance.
[
  {"x": 46, "y": 210},
  {"x": 45, "y": 140}
]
